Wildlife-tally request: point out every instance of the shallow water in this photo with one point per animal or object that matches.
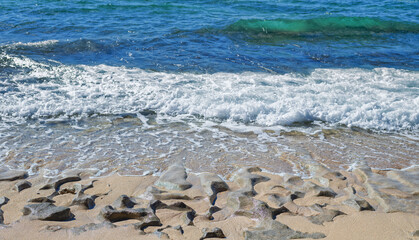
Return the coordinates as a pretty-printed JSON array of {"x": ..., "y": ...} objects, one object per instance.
[{"x": 131, "y": 86}]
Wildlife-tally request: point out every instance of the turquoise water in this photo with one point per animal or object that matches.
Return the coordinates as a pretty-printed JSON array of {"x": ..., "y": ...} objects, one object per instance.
[
  {"x": 216, "y": 36},
  {"x": 132, "y": 85}
]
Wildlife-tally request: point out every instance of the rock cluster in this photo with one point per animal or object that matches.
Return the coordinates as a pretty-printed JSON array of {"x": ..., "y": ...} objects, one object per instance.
[{"x": 180, "y": 204}]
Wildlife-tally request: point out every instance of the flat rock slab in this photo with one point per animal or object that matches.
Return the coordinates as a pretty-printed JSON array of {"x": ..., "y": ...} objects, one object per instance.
[
  {"x": 396, "y": 193},
  {"x": 47, "y": 211},
  {"x": 174, "y": 178},
  {"x": 13, "y": 175},
  {"x": 278, "y": 231},
  {"x": 90, "y": 227}
]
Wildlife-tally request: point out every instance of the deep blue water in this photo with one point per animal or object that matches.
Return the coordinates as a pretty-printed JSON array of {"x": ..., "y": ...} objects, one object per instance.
[{"x": 216, "y": 36}]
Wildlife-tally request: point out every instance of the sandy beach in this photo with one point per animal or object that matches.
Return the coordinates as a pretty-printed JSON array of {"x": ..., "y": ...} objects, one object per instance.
[{"x": 250, "y": 203}]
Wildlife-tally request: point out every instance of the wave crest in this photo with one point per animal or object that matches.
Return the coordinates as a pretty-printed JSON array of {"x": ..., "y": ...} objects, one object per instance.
[{"x": 325, "y": 25}]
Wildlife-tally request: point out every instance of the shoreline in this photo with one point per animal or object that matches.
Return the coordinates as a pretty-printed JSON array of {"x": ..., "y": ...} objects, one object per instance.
[{"x": 249, "y": 203}]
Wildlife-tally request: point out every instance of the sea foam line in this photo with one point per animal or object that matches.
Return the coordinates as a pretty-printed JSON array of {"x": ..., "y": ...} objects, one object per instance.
[{"x": 381, "y": 98}]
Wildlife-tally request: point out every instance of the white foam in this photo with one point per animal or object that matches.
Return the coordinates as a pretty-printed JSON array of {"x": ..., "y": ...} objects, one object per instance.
[
  {"x": 382, "y": 98},
  {"x": 32, "y": 44}
]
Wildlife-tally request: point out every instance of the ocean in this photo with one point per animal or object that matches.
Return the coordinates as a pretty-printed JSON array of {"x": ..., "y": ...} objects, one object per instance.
[{"x": 131, "y": 86}]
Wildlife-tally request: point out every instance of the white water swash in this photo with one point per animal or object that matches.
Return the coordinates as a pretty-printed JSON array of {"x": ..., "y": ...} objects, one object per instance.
[{"x": 130, "y": 120}]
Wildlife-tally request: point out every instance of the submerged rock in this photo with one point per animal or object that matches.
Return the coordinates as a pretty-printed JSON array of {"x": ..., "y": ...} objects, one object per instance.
[
  {"x": 13, "y": 175},
  {"x": 247, "y": 180},
  {"x": 174, "y": 178},
  {"x": 157, "y": 194},
  {"x": 52, "y": 228},
  {"x": 394, "y": 194},
  {"x": 57, "y": 182},
  {"x": 47, "y": 211},
  {"x": 275, "y": 230},
  {"x": 91, "y": 227}
]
